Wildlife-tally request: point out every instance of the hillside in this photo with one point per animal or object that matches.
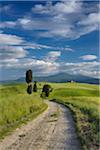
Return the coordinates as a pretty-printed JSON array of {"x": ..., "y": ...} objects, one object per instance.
[{"x": 63, "y": 77}]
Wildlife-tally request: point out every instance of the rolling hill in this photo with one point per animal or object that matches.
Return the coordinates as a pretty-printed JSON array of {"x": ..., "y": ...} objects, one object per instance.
[
  {"x": 63, "y": 77},
  {"x": 58, "y": 78}
]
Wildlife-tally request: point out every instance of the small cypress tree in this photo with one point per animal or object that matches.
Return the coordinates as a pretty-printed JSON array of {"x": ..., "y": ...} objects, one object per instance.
[
  {"x": 29, "y": 89},
  {"x": 35, "y": 87}
]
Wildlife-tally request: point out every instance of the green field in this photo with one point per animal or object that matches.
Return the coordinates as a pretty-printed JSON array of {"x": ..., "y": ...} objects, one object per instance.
[
  {"x": 83, "y": 100},
  {"x": 17, "y": 107}
]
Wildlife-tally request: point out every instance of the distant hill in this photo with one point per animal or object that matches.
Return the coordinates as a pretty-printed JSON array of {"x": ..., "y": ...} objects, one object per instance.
[
  {"x": 64, "y": 77},
  {"x": 61, "y": 77}
]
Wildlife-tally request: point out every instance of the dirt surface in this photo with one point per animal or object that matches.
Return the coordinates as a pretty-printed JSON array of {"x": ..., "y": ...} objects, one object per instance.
[{"x": 52, "y": 130}]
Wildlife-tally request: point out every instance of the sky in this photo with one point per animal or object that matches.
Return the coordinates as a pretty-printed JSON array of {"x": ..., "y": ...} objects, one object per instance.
[{"x": 49, "y": 37}]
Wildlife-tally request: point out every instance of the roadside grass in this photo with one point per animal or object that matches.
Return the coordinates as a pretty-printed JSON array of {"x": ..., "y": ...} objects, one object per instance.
[
  {"x": 83, "y": 101},
  {"x": 17, "y": 107}
]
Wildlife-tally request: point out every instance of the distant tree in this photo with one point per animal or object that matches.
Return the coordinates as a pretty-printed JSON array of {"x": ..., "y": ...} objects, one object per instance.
[
  {"x": 46, "y": 90},
  {"x": 29, "y": 80},
  {"x": 29, "y": 76},
  {"x": 35, "y": 86},
  {"x": 29, "y": 89}
]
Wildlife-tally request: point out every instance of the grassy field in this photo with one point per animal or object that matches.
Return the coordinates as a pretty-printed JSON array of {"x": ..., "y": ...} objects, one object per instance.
[
  {"x": 83, "y": 100},
  {"x": 17, "y": 107}
]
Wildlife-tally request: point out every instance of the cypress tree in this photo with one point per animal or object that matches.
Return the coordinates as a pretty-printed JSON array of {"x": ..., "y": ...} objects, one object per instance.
[
  {"x": 29, "y": 89},
  {"x": 35, "y": 87},
  {"x": 29, "y": 80},
  {"x": 29, "y": 76}
]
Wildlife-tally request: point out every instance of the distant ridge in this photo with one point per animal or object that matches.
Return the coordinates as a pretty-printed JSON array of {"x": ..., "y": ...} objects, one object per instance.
[
  {"x": 61, "y": 77},
  {"x": 64, "y": 77}
]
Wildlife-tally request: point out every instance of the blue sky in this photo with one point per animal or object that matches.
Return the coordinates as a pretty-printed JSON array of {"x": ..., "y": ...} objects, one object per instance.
[{"x": 49, "y": 37}]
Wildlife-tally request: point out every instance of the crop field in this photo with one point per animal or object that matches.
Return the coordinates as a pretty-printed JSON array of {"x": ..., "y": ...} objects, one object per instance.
[
  {"x": 83, "y": 100},
  {"x": 17, "y": 107}
]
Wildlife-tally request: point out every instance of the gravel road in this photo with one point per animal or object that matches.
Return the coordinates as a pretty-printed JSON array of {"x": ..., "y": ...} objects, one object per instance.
[{"x": 52, "y": 130}]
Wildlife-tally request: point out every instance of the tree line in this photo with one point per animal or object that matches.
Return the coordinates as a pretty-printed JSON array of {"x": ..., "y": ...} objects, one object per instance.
[{"x": 46, "y": 89}]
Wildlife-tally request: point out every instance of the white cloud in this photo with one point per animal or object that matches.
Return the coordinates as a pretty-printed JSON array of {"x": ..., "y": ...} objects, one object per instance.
[
  {"x": 10, "y": 53},
  {"x": 58, "y": 8},
  {"x": 91, "y": 19},
  {"x": 10, "y": 39},
  {"x": 93, "y": 74},
  {"x": 65, "y": 19},
  {"x": 90, "y": 69},
  {"x": 68, "y": 7},
  {"x": 7, "y": 24},
  {"x": 52, "y": 56},
  {"x": 24, "y": 21},
  {"x": 49, "y": 66},
  {"x": 68, "y": 49},
  {"x": 89, "y": 57},
  {"x": 36, "y": 46},
  {"x": 39, "y": 67},
  {"x": 7, "y": 60}
]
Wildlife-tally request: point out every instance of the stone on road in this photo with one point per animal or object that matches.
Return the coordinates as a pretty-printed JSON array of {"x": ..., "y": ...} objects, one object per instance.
[{"x": 52, "y": 130}]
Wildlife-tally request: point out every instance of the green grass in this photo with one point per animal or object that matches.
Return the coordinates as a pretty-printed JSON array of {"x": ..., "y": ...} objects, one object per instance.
[
  {"x": 83, "y": 100},
  {"x": 17, "y": 107}
]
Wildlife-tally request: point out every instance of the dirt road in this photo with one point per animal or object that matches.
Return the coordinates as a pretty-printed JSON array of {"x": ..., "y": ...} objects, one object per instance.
[{"x": 52, "y": 130}]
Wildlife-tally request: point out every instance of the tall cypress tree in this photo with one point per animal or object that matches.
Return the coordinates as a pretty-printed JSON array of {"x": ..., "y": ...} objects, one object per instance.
[
  {"x": 29, "y": 76},
  {"x": 29, "y": 81}
]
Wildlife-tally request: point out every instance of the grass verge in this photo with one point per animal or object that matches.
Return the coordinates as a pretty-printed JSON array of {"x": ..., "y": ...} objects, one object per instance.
[{"x": 17, "y": 107}]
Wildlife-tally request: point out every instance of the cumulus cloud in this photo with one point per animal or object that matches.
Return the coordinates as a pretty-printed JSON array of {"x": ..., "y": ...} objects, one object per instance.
[
  {"x": 10, "y": 53},
  {"x": 91, "y": 19},
  {"x": 53, "y": 56},
  {"x": 67, "y": 19},
  {"x": 7, "y": 24},
  {"x": 60, "y": 7},
  {"x": 39, "y": 67},
  {"x": 9, "y": 39},
  {"x": 50, "y": 65},
  {"x": 90, "y": 69},
  {"x": 89, "y": 57},
  {"x": 93, "y": 74},
  {"x": 64, "y": 19}
]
